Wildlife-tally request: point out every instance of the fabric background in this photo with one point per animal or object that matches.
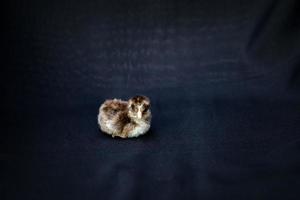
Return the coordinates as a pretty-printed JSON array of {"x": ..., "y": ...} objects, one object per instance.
[{"x": 223, "y": 77}]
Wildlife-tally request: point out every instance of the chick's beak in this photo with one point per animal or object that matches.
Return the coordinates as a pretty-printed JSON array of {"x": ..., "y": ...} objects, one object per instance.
[{"x": 139, "y": 114}]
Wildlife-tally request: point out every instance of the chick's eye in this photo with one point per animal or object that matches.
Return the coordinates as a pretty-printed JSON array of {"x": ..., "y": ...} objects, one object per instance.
[{"x": 146, "y": 108}]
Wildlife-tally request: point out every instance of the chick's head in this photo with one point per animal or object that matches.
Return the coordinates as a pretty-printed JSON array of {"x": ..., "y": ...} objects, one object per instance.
[{"x": 139, "y": 107}]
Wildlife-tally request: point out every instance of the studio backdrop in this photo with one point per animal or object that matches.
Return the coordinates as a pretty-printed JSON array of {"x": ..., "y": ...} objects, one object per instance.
[{"x": 224, "y": 82}]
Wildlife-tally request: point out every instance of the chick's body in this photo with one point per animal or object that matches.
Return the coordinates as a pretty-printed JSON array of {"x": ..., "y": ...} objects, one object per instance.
[{"x": 125, "y": 118}]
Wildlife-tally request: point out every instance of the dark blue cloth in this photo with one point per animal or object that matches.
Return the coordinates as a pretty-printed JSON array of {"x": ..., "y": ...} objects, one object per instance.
[{"x": 223, "y": 77}]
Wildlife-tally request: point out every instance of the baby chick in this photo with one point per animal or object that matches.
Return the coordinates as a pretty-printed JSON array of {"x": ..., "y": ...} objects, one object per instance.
[{"x": 125, "y": 119}]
